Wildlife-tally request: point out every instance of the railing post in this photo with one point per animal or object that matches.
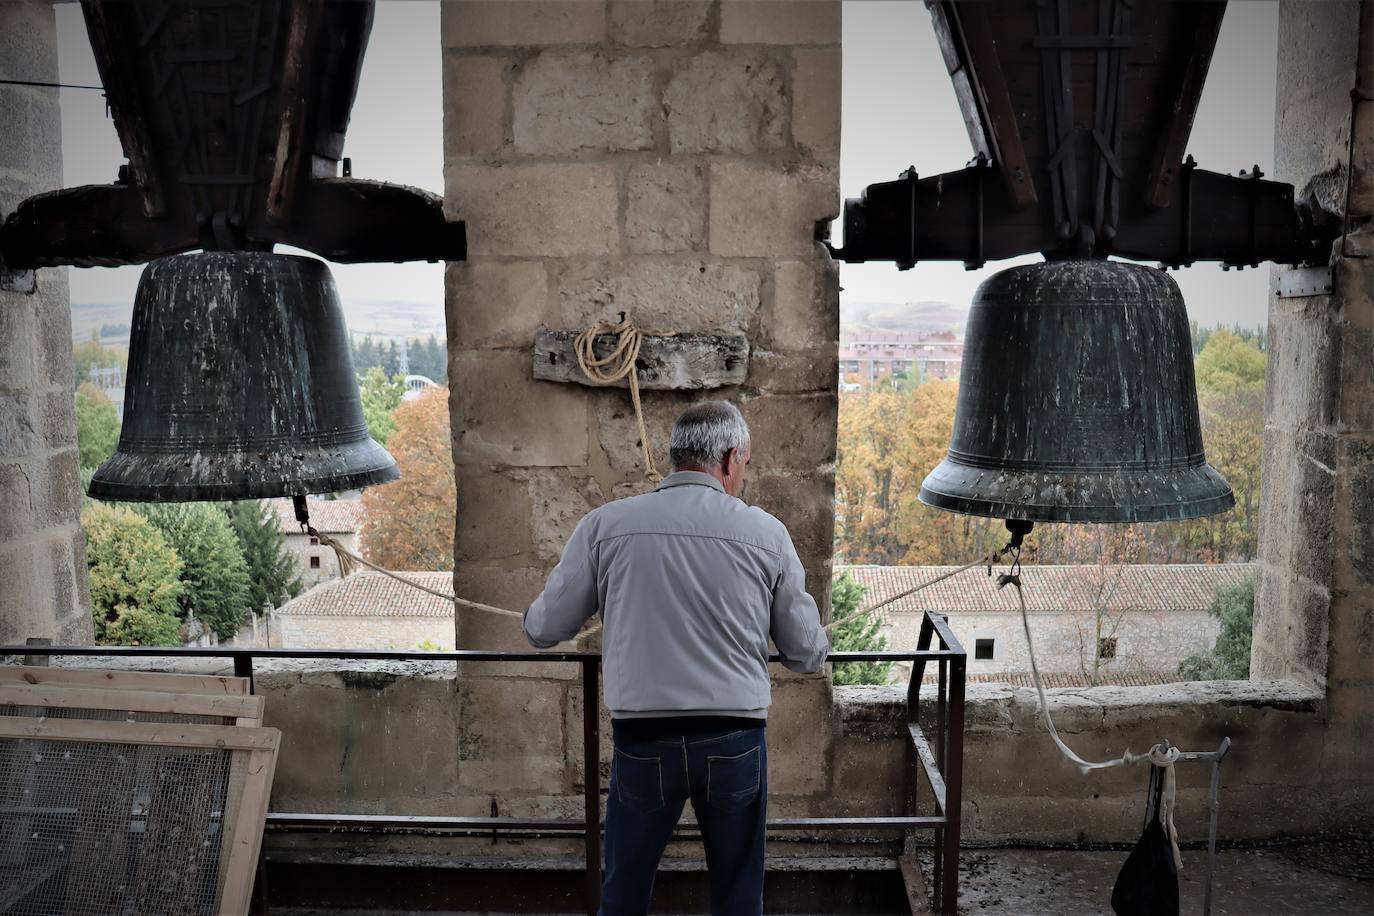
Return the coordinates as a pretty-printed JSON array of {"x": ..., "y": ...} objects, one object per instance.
[
  {"x": 591, "y": 777},
  {"x": 243, "y": 667},
  {"x": 953, "y": 771},
  {"x": 941, "y": 764}
]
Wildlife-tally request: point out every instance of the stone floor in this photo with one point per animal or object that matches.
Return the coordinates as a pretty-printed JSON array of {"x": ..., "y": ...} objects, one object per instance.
[
  {"x": 1326, "y": 878},
  {"x": 1331, "y": 878}
]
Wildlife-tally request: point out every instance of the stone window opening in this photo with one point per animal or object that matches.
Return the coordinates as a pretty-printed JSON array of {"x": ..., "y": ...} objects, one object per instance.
[
  {"x": 1106, "y": 647},
  {"x": 984, "y": 650},
  {"x": 314, "y": 562}
]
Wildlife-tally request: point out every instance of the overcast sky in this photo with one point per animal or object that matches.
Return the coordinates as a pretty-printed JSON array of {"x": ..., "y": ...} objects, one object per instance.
[{"x": 899, "y": 110}]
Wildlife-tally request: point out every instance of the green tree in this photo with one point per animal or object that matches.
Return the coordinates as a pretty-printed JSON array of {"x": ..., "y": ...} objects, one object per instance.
[
  {"x": 97, "y": 425},
  {"x": 1229, "y": 658},
  {"x": 214, "y": 573},
  {"x": 381, "y": 396},
  {"x": 1229, "y": 361},
  {"x": 863, "y": 634},
  {"x": 135, "y": 578},
  {"x": 272, "y": 577}
]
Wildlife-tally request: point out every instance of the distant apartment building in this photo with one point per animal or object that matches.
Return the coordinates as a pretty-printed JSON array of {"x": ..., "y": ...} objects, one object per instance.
[
  {"x": 866, "y": 357},
  {"x": 341, "y": 519}
]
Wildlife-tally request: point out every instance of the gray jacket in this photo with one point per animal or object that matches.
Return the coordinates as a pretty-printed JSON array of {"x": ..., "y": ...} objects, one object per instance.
[{"x": 691, "y": 583}]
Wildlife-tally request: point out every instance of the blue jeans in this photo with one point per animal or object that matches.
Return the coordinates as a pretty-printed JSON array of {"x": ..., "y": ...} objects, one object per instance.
[{"x": 726, "y": 777}]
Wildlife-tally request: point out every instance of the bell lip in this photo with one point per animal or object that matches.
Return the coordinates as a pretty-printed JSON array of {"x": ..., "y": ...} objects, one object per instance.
[
  {"x": 124, "y": 478},
  {"x": 1210, "y": 495}
]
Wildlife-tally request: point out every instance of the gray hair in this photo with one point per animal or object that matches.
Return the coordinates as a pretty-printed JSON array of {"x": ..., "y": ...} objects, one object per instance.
[{"x": 705, "y": 432}]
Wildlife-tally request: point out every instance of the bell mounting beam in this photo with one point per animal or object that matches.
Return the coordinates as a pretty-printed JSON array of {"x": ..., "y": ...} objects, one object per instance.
[
  {"x": 1079, "y": 116},
  {"x": 232, "y": 117}
]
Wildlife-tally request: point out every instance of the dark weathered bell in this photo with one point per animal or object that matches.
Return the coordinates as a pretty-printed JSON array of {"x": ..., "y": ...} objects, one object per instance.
[
  {"x": 1077, "y": 401},
  {"x": 240, "y": 385}
]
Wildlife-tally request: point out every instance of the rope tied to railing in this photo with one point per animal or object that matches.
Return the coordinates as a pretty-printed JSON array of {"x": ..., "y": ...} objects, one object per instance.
[{"x": 620, "y": 363}]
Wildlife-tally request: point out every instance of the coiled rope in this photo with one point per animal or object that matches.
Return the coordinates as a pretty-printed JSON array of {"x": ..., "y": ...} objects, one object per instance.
[{"x": 614, "y": 366}]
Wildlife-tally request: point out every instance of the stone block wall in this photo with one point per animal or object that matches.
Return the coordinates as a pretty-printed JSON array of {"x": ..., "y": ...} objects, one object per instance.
[
  {"x": 1314, "y": 612},
  {"x": 668, "y": 160},
  {"x": 44, "y": 590}
]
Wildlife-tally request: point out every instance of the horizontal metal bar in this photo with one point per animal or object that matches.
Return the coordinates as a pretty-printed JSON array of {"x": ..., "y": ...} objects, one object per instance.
[
  {"x": 459, "y": 655},
  {"x": 854, "y": 823},
  {"x": 438, "y": 822},
  {"x": 927, "y": 757},
  {"x": 420, "y": 822}
]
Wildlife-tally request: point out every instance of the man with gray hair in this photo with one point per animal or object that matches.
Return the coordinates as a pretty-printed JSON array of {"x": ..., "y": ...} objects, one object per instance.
[{"x": 691, "y": 583}]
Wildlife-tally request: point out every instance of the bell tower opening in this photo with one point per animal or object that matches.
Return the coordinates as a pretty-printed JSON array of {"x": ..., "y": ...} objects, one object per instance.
[{"x": 1162, "y": 581}]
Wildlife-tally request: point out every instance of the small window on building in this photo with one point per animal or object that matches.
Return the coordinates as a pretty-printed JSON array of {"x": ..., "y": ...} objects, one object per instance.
[
  {"x": 314, "y": 541},
  {"x": 314, "y": 562},
  {"x": 1106, "y": 647},
  {"x": 983, "y": 649}
]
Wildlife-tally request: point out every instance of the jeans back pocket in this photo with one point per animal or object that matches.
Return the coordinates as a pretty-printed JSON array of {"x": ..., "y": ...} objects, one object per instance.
[
  {"x": 637, "y": 782},
  {"x": 732, "y": 783}
]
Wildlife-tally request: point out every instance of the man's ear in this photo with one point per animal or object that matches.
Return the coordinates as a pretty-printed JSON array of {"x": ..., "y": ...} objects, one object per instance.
[{"x": 729, "y": 462}]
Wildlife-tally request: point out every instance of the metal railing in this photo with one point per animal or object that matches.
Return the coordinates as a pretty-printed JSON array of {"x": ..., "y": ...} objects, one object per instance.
[{"x": 941, "y": 763}]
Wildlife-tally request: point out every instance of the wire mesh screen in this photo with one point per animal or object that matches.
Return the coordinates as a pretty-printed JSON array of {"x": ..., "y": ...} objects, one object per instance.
[
  {"x": 94, "y": 829},
  {"x": 112, "y": 715}
]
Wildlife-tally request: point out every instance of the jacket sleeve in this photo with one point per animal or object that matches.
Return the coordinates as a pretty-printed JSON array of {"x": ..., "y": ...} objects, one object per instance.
[
  {"x": 569, "y": 598},
  {"x": 796, "y": 621}
]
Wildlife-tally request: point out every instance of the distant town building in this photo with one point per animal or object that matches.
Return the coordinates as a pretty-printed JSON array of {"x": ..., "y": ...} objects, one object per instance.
[
  {"x": 368, "y": 611},
  {"x": 416, "y": 385},
  {"x": 341, "y": 519},
  {"x": 111, "y": 381},
  {"x": 866, "y": 357},
  {"x": 1132, "y": 621}
]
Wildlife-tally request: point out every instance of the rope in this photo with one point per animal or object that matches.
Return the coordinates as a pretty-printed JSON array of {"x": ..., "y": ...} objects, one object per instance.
[
  {"x": 1014, "y": 580},
  {"x": 982, "y": 561},
  {"x": 618, "y": 364},
  {"x": 349, "y": 561},
  {"x": 1164, "y": 758}
]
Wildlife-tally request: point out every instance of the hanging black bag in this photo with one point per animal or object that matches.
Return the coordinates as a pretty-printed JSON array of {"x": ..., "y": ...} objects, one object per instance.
[{"x": 1148, "y": 882}]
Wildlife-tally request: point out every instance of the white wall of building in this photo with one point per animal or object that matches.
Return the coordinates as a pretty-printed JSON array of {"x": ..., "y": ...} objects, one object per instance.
[{"x": 1065, "y": 641}]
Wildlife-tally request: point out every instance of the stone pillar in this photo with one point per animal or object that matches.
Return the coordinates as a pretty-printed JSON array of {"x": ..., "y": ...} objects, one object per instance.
[
  {"x": 1314, "y": 614},
  {"x": 668, "y": 160},
  {"x": 43, "y": 584}
]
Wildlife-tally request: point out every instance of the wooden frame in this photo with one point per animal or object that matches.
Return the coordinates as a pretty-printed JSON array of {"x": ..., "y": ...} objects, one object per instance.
[
  {"x": 241, "y": 828},
  {"x": 124, "y": 680},
  {"x": 244, "y": 709}
]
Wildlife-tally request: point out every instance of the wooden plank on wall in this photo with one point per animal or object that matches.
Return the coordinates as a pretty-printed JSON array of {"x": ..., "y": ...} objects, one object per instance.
[
  {"x": 187, "y": 704},
  {"x": 124, "y": 680}
]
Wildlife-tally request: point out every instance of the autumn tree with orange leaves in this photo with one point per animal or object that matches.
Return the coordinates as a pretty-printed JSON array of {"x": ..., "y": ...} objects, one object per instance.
[{"x": 408, "y": 524}]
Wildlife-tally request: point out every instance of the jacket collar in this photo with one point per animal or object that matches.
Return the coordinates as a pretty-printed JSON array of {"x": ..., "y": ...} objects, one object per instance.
[{"x": 685, "y": 478}]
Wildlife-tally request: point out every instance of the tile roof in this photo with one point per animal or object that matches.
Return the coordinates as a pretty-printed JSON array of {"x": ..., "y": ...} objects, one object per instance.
[
  {"x": 1072, "y": 679},
  {"x": 332, "y": 516},
  {"x": 371, "y": 594},
  {"x": 1146, "y": 587}
]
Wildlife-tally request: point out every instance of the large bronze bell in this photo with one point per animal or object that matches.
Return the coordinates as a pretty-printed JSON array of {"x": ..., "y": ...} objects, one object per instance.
[
  {"x": 240, "y": 385},
  {"x": 1077, "y": 401}
]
